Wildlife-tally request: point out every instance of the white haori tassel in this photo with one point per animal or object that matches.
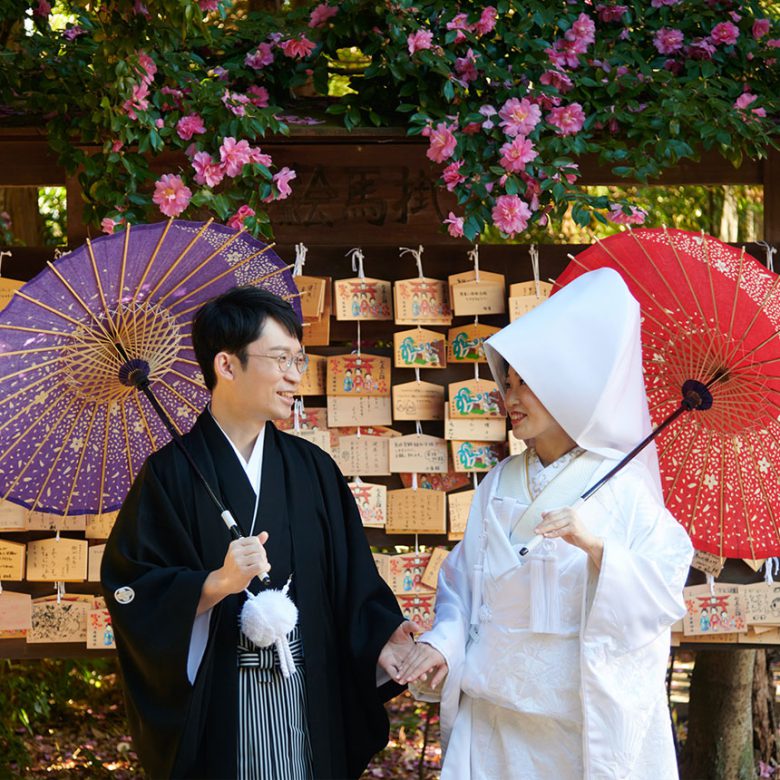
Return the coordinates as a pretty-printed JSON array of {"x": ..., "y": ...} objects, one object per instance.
[
  {"x": 267, "y": 619},
  {"x": 545, "y": 617}
]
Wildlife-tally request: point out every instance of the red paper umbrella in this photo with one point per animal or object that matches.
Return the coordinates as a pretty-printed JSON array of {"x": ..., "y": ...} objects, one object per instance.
[{"x": 710, "y": 322}]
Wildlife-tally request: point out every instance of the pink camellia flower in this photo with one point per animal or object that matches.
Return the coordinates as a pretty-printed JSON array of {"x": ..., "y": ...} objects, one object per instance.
[
  {"x": 459, "y": 22},
  {"x": 207, "y": 171},
  {"x": 557, "y": 79},
  {"x": 263, "y": 55},
  {"x": 519, "y": 117},
  {"x": 237, "y": 220},
  {"x": 297, "y": 48},
  {"x": 171, "y": 195},
  {"x": 745, "y": 100},
  {"x": 108, "y": 225},
  {"x": 452, "y": 175},
  {"x": 516, "y": 154},
  {"x": 510, "y": 214},
  {"x": 454, "y": 225},
  {"x": 660, "y": 3},
  {"x": 116, "y": 146},
  {"x": 442, "y": 143},
  {"x": 583, "y": 31},
  {"x": 611, "y": 13},
  {"x": 668, "y": 40},
  {"x": 321, "y": 14},
  {"x": 189, "y": 125},
  {"x": 567, "y": 119},
  {"x": 258, "y": 96},
  {"x": 208, "y": 5},
  {"x": 487, "y": 111},
  {"x": 635, "y": 216},
  {"x": 147, "y": 66},
  {"x": 724, "y": 33},
  {"x": 487, "y": 21},
  {"x": 466, "y": 68},
  {"x": 234, "y": 155},
  {"x": 701, "y": 49},
  {"x": 761, "y": 27},
  {"x": 140, "y": 9},
  {"x": 72, "y": 33},
  {"x": 256, "y": 155},
  {"x": 43, "y": 9},
  {"x": 419, "y": 40},
  {"x": 282, "y": 181},
  {"x": 176, "y": 95},
  {"x": 137, "y": 101},
  {"x": 235, "y": 102}
]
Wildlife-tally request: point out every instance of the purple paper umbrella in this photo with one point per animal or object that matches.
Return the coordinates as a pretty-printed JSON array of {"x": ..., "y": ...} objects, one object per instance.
[{"x": 73, "y": 433}]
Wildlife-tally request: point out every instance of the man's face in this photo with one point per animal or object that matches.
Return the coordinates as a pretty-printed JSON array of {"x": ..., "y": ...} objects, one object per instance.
[{"x": 261, "y": 390}]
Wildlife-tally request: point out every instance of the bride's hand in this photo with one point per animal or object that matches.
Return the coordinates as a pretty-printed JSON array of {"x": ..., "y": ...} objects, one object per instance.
[{"x": 422, "y": 661}]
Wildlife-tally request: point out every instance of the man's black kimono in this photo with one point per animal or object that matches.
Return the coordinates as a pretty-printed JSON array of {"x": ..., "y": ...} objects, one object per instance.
[{"x": 166, "y": 540}]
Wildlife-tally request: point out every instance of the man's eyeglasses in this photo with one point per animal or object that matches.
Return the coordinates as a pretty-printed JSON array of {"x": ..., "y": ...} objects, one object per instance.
[{"x": 285, "y": 360}]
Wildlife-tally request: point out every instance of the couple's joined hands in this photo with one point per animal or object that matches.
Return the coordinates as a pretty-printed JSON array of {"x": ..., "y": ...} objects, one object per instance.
[{"x": 405, "y": 660}]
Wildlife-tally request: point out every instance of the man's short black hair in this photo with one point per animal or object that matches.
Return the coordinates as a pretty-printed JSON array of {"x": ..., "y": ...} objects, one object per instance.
[{"x": 232, "y": 321}]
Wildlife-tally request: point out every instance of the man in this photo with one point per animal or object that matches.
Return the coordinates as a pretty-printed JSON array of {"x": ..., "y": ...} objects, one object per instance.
[{"x": 203, "y": 701}]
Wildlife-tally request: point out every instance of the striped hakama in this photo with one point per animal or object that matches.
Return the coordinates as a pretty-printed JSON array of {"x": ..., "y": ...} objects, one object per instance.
[{"x": 273, "y": 736}]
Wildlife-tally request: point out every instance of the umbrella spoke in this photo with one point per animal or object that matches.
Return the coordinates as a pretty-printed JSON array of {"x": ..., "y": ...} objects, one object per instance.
[
  {"x": 49, "y": 309},
  {"x": 697, "y": 497},
  {"x": 96, "y": 274},
  {"x": 150, "y": 262},
  {"x": 737, "y": 288},
  {"x": 760, "y": 308},
  {"x": 40, "y": 331},
  {"x": 83, "y": 452},
  {"x": 186, "y": 378},
  {"x": 178, "y": 395},
  {"x": 104, "y": 460},
  {"x": 753, "y": 351},
  {"x": 33, "y": 368},
  {"x": 144, "y": 420},
  {"x": 745, "y": 510},
  {"x": 122, "y": 271},
  {"x": 768, "y": 504},
  {"x": 684, "y": 462}
]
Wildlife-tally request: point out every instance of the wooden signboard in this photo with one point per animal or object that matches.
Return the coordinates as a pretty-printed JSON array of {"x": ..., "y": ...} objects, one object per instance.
[
  {"x": 12, "y": 556},
  {"x": 344, "y": 412},
  {"x": 476, "y": 398},
  {"x": 94, "y": 559},
  {"x": 419, "y": 348},
  {"x": 100, "y": 633},
  {"x": 418, "y": 607},
  {"x": 416, "y": 512},
  {"x": 422, "y": 301},
  {"x": 363, "y": 299},
  {"x": 99, "y": 526},
  {"x": 382, "y": 563},
  {"x": 761, "y": 601},
  {"x": 52, "y": 622},
  {"x": 367, "y": 455},
  {"x": 405, "y": 571},
  {"x": 418, "y": 453},
  {"x": 431, "y": 574},
  {"x": 57, "y": 560},
  {"x": 459, "y": 506},
  {"x": 312, "y": 298},
  {"x": 452, "y": 480},
  {"x": 7, "y": 289},
  {"x": 15, "y": 611},
  {"x": 472, "y": 297},
  {"x": 316, "y": 330},
  {"x": 371, "y": 502},
  {"x": 465, "y": 342},
  {"x": 708, "y": 563},
  {"x": 710, "y": 615},
  {"x": 319, "y": 437},
  {"x": 477, "y": 455},
  {"x": 358, "y": 375},
  {"x": 312, "y": 418},
  {"x": 474, "y": 428},
  {"x": 313, "y": 381},
  {"x": 12, "y": 517},
  {"x": 418, "y": 401},
  {"x": 523, "y": 297},
  {"x": 43, "y": 521}
]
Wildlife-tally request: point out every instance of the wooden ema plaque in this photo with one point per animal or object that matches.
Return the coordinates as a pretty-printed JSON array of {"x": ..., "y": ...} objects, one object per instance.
[
  {"x": 43, "y": 521},
  {"x": 523, "y": 297},
  {"x": 382, "y": 563},
  {"x": 419, "y": 348},
  {"x": 459, "y": 505},
  {"x": 465, "y": 342},
  {"x": 346, "y": 412},
  {"x": 313, "y": 381},
  {"x": 312, "y": 295},
  {"x": 418, "y": 607},
  {"x": 57, "y": 560},
  {"x": 470, "y": 297},
  {"x": 15, "y": 611},
  {"x": 477, "y": 455},
  {"x": 12, "y": 556},
  {"x": 312, "y": 418},
  {"x": 431, "y": 574},
  {"x": 761, "y": 601},
  {"x": 405, "y": 571},
  {"x": 422, "y": 301},
  {"x": 371, "y": 502},
  {"x": 7, "y": 289},
  {"x": 363, "y": 299},
  {"x": 316, "y": 330},
  {"x": 452, "y": 480},
  {"x": 473, "y": 428},
  {"x": 64, "y": 622},
  {"x": 418, "y": 401},
  {"x": 319, "y": 437},
  {"x": 418, "y": 453},
  {"x": 476, "y": 398},
  {"x": 709, "y": 615},
  {"x": 12, "y": 517},
  {"x": 99, "y": 526},
  {"x": 100, "y": 633},
  {"x": 358, "y": 375},
  {"x": 362, "y": 455},
  {"x": 94, "y": 559},
  {"x": 416, "y": 512}
]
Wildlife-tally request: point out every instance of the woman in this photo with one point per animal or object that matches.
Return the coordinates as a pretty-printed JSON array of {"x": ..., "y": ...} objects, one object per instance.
[{"x": 555, "y": 660}]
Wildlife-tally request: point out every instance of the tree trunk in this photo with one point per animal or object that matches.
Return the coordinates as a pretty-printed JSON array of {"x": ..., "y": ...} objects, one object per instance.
[
  {"x": 729, "y": 218},
  {"x": 764, "y": 724},
  {"x": 21, "y": 203},
  {"x": 720, "y": 733}
]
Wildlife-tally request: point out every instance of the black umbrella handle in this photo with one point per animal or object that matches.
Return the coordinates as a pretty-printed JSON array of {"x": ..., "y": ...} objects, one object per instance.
[{"x": 136, "y": 374}]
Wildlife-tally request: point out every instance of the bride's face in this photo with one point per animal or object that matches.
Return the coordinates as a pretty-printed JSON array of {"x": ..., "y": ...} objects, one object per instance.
[{"x": 528, "y": 416}]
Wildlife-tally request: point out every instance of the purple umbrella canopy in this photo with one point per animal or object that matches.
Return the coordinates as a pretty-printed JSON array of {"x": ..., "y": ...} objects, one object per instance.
[{"x": 72, "y": 434}]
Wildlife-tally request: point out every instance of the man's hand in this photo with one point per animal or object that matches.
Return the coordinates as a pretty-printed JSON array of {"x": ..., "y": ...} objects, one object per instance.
[
  {"x": 566, "y": 524},
  {"x": 400, "y": 644},
  {"x": 245, "y": 559},
  {"x": 423, "y": 660}
]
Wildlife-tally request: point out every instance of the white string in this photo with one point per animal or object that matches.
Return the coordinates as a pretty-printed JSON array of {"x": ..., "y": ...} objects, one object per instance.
[
  {"x": 357, "y": 480},
  {"x": 5, "y": 253},
  {"x": 357, "y": 261},
  {"x": 711, "y": 583},
  {"x": 414, "y": 481},
  {"x": 768, "y": 579},
  {"x": 358, "y": 339},
  {"x": 768, "y": 248},
  {"x": 476, "y": 370},
  {"x": 59, "y": 587},
  {"x": 416, "y": 373},
  {"x": 534, "y": 252},
  {"x": 416, "y": 254},
  {"x": 297, "y": 413},
  {"x": 300, "y": 259},
  {"x": 416, "y": 541},
  {"x": 1, "y": 586},
  {"x": 474, "y": 479},
  {"x": 418, "y": 427},
  {"x": 474, "y": 257}
]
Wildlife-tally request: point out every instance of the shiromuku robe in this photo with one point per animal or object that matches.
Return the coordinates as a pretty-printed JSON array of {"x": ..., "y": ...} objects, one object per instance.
[
  {"x": 562, "y": 678},
  {"x": 166, "y": 540}
]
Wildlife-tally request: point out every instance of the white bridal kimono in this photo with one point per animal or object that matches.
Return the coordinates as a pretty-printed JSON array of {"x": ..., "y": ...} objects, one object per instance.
[{"x": 562, "y": 674}]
